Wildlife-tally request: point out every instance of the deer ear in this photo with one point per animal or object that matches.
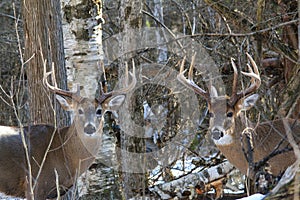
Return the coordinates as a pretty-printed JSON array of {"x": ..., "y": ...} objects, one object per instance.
[
  {"x": 115, "y": 102},
  {"x": 65, "y": 103},
  {"x": 213, "y": 92},
  {"x": 249, "y": 102}
]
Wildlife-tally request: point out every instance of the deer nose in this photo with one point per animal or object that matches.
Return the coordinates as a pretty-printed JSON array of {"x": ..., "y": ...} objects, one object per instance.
[
  {"x": 217, "y": 134},
  {"x": 89, "y": 129}
]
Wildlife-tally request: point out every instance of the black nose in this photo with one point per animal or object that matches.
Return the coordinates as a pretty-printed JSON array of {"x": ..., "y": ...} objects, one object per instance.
[
  {"x": 89, "y": 129},
  {"x": 217, "y": 134}
]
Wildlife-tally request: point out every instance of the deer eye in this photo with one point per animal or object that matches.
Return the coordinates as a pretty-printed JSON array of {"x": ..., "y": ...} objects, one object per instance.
[
  {"x": 98, "y": 112},
  {"x": 211, "y": 115},
  {"x": 229, "y": 114},
  {"x": 80, "y": 111}
]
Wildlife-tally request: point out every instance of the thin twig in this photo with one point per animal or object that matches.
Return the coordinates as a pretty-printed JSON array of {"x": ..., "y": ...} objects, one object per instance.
[
  {"x": 21, "y": 127},
  {"x": 52, "y": 135},
  {"x": 164, "y": 26},
  {"x": 9, "y": 16},
  {"x": 57, "y": 184}
]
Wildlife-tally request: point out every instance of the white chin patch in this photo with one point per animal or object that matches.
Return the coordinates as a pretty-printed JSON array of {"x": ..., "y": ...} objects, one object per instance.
[
  {"x": 92, "y": 135},
  {"x": 223, "y": 141}
]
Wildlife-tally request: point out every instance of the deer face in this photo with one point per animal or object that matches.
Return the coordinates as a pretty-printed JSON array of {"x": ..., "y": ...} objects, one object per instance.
[
  {"x": 223, "y": 115},
  {"x": 221, "y": 119},
  {"x": 88, "y": 114}
]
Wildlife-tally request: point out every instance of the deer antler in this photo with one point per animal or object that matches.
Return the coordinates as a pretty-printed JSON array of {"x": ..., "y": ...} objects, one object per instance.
[
  {"x": 125, "y": 90},
  {"x": 189, "y": 82},
  {"x": 255, "y": 81},
  {"x": 73, "y": 95}
]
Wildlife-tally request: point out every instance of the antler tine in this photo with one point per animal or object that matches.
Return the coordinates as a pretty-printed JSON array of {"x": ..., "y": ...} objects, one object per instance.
[
  {"x": 189, "y": 82},
  {"x": 182, "y": 70},
  {"x": 233, "y": 97},
  {"x": 125, "y": 90},
  {"x": 126, "y": 72},
  {"x": 74, "y": 95},
  {"x": 131, "y": 85},
  {"x": 103, "y": 86},
  {"x": 235, "y": 77},
  {"x": 190, "y": 74},
  {"x": 255, "y": 77},
  {"x": 255, "y": 81}
]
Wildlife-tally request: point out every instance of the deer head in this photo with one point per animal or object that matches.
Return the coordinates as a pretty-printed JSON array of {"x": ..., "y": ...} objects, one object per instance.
[
  {"x": 223, "y": 110},
  {"x": 247, "y": 147},
  {"x": 88, "y": 113}
]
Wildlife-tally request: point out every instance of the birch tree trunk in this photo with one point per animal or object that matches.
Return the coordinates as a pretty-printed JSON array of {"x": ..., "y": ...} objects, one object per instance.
[{"x": 82, "y": 25}]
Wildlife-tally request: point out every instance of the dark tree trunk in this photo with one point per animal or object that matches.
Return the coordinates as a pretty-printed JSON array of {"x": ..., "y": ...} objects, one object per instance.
[
  {"x": 10, "y": 60},
  {"x": 43, "y": 41}
]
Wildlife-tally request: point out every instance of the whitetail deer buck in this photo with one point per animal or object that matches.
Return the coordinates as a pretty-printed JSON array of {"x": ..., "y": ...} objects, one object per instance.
[
  {"x": 72, "y": 149},
  {"x": 269, "y": 142}
]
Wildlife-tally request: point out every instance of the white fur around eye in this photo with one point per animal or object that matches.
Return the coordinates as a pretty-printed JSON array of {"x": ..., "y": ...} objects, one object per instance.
[{"x": 223, "y": 141}]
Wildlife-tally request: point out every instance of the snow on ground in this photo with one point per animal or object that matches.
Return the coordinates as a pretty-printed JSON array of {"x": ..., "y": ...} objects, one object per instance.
[
  {"x": 253, "y": 197},
  {"x": 3, "y": 197}
]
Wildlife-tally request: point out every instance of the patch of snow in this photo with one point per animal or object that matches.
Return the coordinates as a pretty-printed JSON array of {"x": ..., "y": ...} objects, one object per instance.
[{"x": 253, "y": 197}]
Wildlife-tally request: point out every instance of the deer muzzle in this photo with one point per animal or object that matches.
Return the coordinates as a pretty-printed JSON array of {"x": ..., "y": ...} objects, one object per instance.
[
  {"x": 217, "y": 133},
  {"x": 89, "y": 129}
]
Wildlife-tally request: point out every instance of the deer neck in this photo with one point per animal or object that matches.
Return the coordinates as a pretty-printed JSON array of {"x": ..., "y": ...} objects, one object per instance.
[
  {"x": 232, "y": 148},
  {"x": 78, "y": 151},
  {"x": 241, "y": 123}
]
